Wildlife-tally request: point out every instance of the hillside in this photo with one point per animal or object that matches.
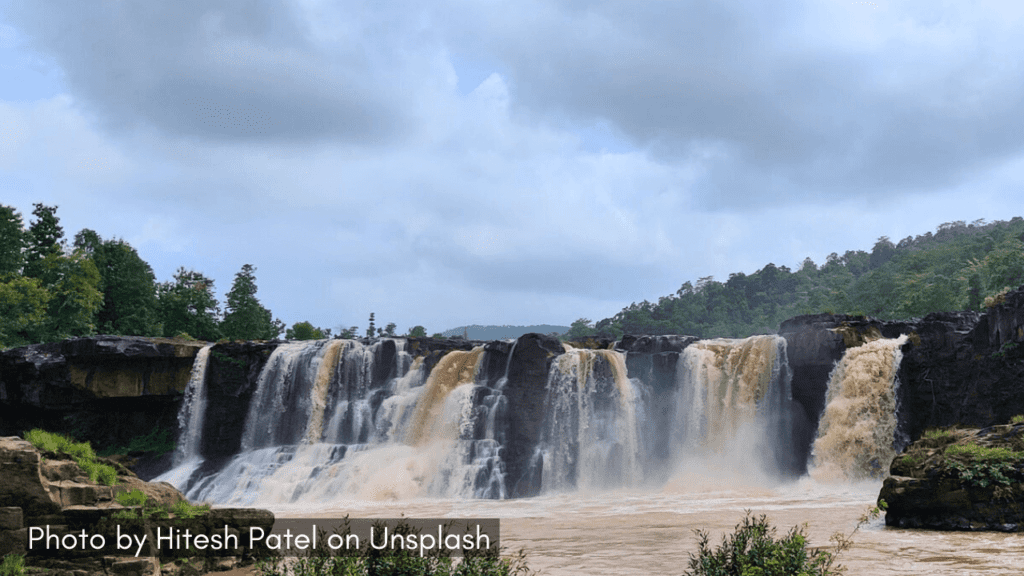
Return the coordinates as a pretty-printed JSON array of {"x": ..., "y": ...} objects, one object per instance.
[{"x": 956, "y": 268}]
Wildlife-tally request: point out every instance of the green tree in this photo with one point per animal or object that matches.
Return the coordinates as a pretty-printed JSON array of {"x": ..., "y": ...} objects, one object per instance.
[
  {"x": 12, "y": 241},
  {"x": 371, "y": 330},
  {"x": 417, "y": 332},
  {"x": 245, "y": 318},
  {"x": 389, "y": 330},
  {"x": 580, "y": 329},
  {"x": 128, "y": 285},
  {"x": 187, "y": 305},
  {"x": 23, "y": 306},
  {"x": 306, "y": 331},
  {"x": 73, "y": 283},
  {"x": 44, "y": 239}
]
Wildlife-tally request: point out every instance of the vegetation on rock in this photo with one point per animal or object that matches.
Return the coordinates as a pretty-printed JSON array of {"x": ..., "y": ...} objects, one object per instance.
[
  {"x": 141, "y": 507},
  {"x": 13, "y": 565},
  {"x": 81, "y": 452},
  {"x": 306, "y": 331}
]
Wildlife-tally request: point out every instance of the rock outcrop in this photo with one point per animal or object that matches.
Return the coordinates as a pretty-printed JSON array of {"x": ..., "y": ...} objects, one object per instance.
[
  {"x": 44, "y": 491},
  {"x": 72, "y": 386},
  {"x": 959, "y": 479}
]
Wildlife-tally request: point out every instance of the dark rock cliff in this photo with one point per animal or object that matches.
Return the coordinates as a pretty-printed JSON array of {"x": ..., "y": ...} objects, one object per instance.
[{"x": 75, "y": 385}]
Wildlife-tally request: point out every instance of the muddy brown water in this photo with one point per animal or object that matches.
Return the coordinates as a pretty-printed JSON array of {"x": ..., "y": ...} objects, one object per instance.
[{"x": 642, "y": 533}]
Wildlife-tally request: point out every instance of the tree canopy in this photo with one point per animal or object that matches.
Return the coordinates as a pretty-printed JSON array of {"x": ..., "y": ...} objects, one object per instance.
[
  {"x": 245, "y": 318},
  {"x": 954, "y": 269},
  {"x": 187, "y": 306},
  {"x": 306, "y": 331}
]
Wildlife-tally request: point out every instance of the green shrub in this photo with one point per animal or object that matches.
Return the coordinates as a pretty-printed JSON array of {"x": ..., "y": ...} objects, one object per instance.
[
  {"x": 13, "y": 565},
  {"x": 1018, "y": 419},
  {"x": 81, "y": 452},
  {"x": 753, "y": 550},
  {"x": 138, "y": 499},
  {"x": 134, "y": 497},
  {"x": 46, "y": 441},
  {"x": 976, "y": 452},
  {"x": 911, "y": 460},
  {"x": 185, "y": 509},
  {"x": 983, "y": 465},
  {"x": 157, "y": 441},
  {"x": 937, "y": 434}
]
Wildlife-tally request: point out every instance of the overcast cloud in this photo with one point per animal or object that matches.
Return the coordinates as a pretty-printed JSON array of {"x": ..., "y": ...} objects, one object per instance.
[{"x": 505, "y": 163}]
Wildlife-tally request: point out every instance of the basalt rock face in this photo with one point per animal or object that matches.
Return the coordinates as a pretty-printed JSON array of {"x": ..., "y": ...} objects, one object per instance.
[
  {"x": 526, "y": 392},
  {"x": 231, "y": 375},
  {"x": 653, "y": 359},
  {"x": 932, "y": 487},
  {"x": 813, "y": 346},
  {"x": 74, "y": 385},
  {"x": 964, "y": 368}
]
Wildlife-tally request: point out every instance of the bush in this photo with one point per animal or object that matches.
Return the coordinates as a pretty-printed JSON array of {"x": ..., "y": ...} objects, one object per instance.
[
  {"x": 81, "y": 452},
  {"x": 138, "y": 499},
  {"x": 13, "y": 565},
  {"x": 937, "y": 434},
  {"x": 1018, "y": 419},
  {"x": 753, "y": 550},
  {"x": 976, "y": 452}
]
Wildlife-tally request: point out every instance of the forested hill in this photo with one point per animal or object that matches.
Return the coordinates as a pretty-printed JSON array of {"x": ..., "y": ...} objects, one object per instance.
[{"x": 956, "y": 268}]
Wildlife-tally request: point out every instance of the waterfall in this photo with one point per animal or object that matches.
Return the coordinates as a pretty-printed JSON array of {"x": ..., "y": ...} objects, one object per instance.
[
  {"x": 193, "y": 410},
  {"x": 591, "y": 437},
  {"x": 732, "y": 407},
  {"x": 856, "y": 434},
  {"x": 338, "y": 419},
  {"x": 331, "y": 420}
]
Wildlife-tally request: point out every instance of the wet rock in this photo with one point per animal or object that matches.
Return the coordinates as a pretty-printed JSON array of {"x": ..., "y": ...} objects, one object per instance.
[{"x": 937, "y": 489}]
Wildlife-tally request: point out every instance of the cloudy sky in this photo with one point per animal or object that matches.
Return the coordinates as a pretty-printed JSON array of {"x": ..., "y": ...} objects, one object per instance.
[{"x": 457, "y": 162}]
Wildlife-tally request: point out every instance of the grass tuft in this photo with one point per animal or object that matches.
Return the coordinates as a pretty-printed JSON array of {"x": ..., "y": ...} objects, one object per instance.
[{"x": 81, "y": 452}]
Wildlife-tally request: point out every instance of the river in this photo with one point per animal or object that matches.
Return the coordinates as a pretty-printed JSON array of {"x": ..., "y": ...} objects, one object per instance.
[{"x": 643, "y": 533}]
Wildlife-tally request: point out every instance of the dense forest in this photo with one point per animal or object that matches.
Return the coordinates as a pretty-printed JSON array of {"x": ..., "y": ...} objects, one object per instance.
[
  {"x": 51, "y": 289},
  {"x": 959, "y": 267}
]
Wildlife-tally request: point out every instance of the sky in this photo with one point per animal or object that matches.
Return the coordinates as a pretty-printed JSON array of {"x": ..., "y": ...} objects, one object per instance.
[{"x": 453, "y": 162}]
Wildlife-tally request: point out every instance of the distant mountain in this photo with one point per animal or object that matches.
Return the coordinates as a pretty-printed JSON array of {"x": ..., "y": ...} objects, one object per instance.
[{"x": 477, "y": 332}]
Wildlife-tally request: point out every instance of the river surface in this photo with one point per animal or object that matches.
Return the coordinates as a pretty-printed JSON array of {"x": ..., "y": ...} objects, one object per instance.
[{"x": 642, "y": 533}]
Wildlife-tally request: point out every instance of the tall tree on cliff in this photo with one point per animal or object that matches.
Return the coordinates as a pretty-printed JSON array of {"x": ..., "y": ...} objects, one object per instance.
[
  {"x": 246, "y": 318},
  {"x": 73, "y": 283},
  {"x": 187, "y": 306},
  {"x": 128, "y": 285},
  {"x": 306, "y": 331},
  {"x": 44, "y": 239},
  {"x": 12, "y": 242}
]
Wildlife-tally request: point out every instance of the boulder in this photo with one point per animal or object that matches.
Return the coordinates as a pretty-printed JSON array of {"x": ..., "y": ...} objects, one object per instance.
[{"x": 932, "y": 486}]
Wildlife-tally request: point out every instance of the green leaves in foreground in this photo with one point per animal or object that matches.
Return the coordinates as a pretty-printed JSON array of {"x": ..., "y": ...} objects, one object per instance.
[{"x": 753, "y": 550}]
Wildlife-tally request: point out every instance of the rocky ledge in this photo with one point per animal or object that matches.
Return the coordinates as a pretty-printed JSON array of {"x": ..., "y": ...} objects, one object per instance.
[
  {"x": 45, "y": 493},
  {"x": 959, "y": 479}
]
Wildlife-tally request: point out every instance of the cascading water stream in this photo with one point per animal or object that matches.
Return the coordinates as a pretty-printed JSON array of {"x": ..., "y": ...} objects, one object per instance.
[
  {"x": 732, "y": 408},
  {"x": 193, "y": 410},
  {"x": 591, "y": 437},
  {"x": 856, "y": 434},
  {"x": 328, "y": 420}
]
